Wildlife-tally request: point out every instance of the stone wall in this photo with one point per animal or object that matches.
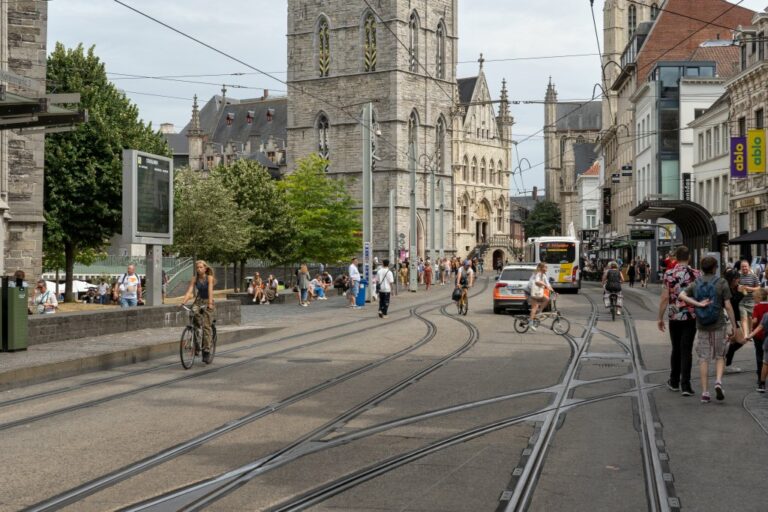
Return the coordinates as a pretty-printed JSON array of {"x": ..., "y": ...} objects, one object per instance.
[{"x": 69, "y": 326}]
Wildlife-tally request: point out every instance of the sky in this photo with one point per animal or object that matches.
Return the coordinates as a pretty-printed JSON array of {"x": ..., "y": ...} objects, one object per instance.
[{"x": 254, "y": 31}]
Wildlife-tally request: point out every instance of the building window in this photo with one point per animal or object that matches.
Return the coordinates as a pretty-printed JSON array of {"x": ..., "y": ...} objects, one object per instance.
[
  {"x": 492, "y": 172},
  {"x": 500, "y": 173},
  {"x": 440, "y": 56},
  {"x": 474, "y": 170},
  {"x": 709, "y": 144},
  {"x": 465, "y": 170},
  {"x": 440, "y": 146},
  {"x": 701, "y": 147},
  {"x": 716, "y": 139},
  {"x": 759, "y": 119},
  {"x": 323, "y": 47},
  {"x": 500, "y": 220},
  {"x": 759, "y": 219},
  {"x": 654, "y": 12},
  {"x": 413, "y": 43},
  {"x": 726, "y": 136},
  {"x": 743, "y": 223},
  {"x": 369, "y": 47},
  {"x": 482, "y": 171},
  {"x": 464, "y": 215},
  {"x": 322, "y": 126},
  {"x": 591, "y": 219},
  {"x": 742, "y": 127},
  {"x": 632, "y": 20}
]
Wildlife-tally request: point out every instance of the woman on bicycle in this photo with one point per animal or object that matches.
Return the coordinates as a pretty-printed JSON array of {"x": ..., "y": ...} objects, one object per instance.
[
  {"x": 540, "y": 291},
  {"x": 612, "y": 280},
  {"x": 201, "y": 288}
]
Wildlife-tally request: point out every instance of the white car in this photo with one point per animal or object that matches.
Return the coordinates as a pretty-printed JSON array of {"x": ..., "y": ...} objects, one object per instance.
[{"x": 511, "y": 290}]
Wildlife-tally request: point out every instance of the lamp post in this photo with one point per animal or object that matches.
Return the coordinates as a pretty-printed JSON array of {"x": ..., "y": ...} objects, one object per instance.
[{"x": 412, "y": 277}]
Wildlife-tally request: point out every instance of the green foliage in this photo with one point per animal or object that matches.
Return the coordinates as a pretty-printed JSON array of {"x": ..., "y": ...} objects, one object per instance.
[
  {"x": 544, "y": 220},
  {"x": 207, "y": 223},
  {"x": 255, "y": 192},
  {"x": 322, "y": 209},
  {"x": 83, "y": 168}
]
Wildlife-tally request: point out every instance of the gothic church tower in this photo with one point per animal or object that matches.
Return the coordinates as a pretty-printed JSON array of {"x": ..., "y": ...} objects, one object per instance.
[{"x": 400, "y": 55}]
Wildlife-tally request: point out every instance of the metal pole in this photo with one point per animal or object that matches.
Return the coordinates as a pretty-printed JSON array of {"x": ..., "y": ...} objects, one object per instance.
[
  {"x": 367, "y": 196},
  {"x": 433, "y": 223},
  {"x": 392, "y": 227},
  {"x": 442, "y": 219},
  {"x": 412, "y": 272}
]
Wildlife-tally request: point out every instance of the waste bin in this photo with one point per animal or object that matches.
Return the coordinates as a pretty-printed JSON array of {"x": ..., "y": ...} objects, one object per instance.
[
  {"x": 360, "y": 299},
  {"x": 14, "y": 318}
]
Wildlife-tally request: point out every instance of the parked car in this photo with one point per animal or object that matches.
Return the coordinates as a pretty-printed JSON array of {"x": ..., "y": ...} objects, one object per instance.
[{"x": 511, "y": 290}]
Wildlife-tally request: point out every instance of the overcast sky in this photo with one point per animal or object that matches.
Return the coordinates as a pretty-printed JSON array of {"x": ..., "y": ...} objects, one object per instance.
[{"x": 254, "y": 32}]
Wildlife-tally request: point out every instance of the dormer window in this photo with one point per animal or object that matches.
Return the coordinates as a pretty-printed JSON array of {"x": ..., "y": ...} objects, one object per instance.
[
  {"x": 230, "y": 118},
  {"x": 249, "y": 117}
]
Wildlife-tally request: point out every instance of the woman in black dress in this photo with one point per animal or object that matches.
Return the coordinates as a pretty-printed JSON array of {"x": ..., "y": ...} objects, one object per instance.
[{"x": 631, "y": 273}]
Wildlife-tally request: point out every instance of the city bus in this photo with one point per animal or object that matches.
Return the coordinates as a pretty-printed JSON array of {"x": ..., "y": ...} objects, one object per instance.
[{"x": 561, "y": 254}]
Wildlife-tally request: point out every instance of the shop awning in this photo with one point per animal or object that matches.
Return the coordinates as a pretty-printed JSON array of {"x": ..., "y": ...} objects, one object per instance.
[
  {"x": 694, "y": 221},
  {"x": 756, "y": 237}
]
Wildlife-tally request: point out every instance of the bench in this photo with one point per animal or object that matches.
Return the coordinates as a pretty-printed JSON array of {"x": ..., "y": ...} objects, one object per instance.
[{"x": 246, "y": 299}]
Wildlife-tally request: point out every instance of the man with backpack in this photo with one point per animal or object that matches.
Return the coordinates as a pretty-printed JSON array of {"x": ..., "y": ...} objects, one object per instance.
[
  {"x": 709, "y": 294},
  {"x": 385, "y": 279},
  {"x": 682, "y": 321},
  {"x": 128, "y": 288},
  {"x": 612, "y": 280}
]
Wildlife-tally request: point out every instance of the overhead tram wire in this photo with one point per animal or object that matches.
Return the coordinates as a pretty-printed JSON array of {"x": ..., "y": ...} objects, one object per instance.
[{"x": 249, "y": 66}]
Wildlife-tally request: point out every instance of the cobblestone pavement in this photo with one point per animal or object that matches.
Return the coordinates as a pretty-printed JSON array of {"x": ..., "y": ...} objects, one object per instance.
[{"x": 423, "y": 411}]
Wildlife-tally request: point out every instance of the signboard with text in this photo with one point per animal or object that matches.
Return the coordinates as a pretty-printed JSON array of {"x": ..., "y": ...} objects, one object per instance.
[
  {"x": 687, "y": 186},
  {"x": 607, "y": 206},
  {"x": 642, "y": 234},
  {"x": 147, "y": 198},
  {"x": 756, "y": 151},
  {"x": 738, "y": 158},
  {"x": 626, "y": 170}
]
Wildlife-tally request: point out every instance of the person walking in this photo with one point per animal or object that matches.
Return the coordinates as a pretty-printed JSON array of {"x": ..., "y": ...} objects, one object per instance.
[
  {"x": 128, "y": 288},
  {"x": 732, "y": 278},
  {"x": 201, "y": 288},
  {"x": 759, "y": 336},
  {"x": 354, "y": 284},
  {"x": 45, "y": 301},
  {"x": 428, "y": 274},
  {"x": 631, "y": 273},
  {"x": 385, "y": 279},
  {"x": 302, "y": 281},
  {"x": 682, "y": 321},
  {"x": 748, "y": 284},
  {"x": 642, "y": 271},
  {"x": 709, "y": 295}
]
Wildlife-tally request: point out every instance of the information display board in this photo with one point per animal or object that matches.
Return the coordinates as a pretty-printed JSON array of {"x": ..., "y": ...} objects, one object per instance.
[{"x": 147, "y": 198}]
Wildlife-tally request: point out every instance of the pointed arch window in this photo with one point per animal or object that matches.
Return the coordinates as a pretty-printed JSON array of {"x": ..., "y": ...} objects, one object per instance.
[
  {"x": 440, "y": 49},
  {"x": 500, "y": 218},
  {"x": 465, "y": 170},
  {"x": 369, "y": 43},
  {"x": 500, "y": 176},
  {"x": 492, "y": 172},
  {"x": 632, "y": 20},
  {"x": 323, "y": 47},
  {"x": 413, "y": 43},
  {"x": 440, "y": 146},
  {"x": 464, "y": 217},
  {"x": 654, "y": 11},
  {"x": 323, "y": 136},
  {"x": 474, "y": 170},
  {"x": 482, "y": 171}
]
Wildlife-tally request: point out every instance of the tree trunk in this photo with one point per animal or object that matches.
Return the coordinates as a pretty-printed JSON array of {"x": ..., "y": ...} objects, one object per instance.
[
  {"x": 69, "y": 268},
  {"x": 235, "y": 282},
  {"x": 242, "y": 275}
]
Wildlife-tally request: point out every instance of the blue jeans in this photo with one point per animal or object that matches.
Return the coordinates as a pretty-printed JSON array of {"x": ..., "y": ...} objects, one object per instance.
[
  {"x": 128, "y": 303},
  {"x": 303, "y": 295},
  {"x": 319, "y": 291}
]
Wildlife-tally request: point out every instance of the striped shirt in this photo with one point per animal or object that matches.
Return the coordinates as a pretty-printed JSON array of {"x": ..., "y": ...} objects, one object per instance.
[{"x": 752, "y": 281}]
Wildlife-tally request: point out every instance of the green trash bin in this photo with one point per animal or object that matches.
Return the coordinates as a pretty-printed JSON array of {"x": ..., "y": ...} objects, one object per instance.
[{"x": 14, "y": 318}]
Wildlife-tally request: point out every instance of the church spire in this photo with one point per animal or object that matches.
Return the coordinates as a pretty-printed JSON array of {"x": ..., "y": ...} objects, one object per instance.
[
  {"x": 551, "y": 96},
  {"x": 194, "y": 125},
  {"x": 504, "y": 106}
]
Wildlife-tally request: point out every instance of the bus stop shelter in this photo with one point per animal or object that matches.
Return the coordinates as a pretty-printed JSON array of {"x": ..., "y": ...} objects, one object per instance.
[{"x": 695, "y": 223}]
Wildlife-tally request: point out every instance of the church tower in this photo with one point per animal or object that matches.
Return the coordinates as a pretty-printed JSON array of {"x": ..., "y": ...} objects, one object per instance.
[
  {"x": 401, "y": 56},
  {"x": 551, "y": 148},
  {"x": 195, "y": 138}
]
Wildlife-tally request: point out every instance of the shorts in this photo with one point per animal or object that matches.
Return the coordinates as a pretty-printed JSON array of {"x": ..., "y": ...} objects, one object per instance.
[
  {"x": 746, "y": 310},
  {"x": 354, "y": 288},
  {"x": 711, "y": 345}
]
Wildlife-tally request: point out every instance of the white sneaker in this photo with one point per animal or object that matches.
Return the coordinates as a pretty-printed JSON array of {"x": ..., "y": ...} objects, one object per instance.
[
  {"x": 733, "y": 369},
  {"x": 532, "y": 327}
]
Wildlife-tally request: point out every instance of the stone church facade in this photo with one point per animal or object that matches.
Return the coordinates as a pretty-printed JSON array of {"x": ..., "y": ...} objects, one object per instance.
[{"x": 401, "y": 56}]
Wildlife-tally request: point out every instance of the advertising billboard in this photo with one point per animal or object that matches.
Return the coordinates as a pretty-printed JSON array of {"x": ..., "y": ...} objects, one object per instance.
[
  {"x": 756, "y": 151},
  {"x": 147, "y": 198},
  {"x": 738, "y": 158}
]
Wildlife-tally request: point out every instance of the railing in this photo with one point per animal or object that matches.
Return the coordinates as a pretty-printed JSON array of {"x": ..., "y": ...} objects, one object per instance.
[{"x": 501, "y": 241}]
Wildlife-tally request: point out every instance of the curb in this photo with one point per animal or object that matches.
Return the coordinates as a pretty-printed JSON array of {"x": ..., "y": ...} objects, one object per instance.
[{"x": 106, "y": 361}]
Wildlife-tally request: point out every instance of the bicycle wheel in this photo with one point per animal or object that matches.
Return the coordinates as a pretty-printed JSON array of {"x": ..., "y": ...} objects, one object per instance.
[
  {"x": 613, "y": 312},
  {"x": 561, "y": 325},
  {"x": 187, "y": 348},
  {"x": 521, "y": 324},
  {"x": 214, "y": 338}
]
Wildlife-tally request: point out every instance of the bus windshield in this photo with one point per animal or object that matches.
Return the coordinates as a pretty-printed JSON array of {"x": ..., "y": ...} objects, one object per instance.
[{"x": 557, "y": 252}]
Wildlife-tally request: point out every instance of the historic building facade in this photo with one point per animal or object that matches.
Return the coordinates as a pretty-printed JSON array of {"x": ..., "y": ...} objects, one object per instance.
[
  {"x": 401, "y": 56},
  {"x": 481, "y": 161}
]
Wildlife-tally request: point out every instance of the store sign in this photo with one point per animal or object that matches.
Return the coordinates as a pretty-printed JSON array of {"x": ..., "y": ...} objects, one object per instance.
[
  {"x": 686, "y": 186},
  {"x": 590, "y": 235},
  {"x": 616, "y": 178},
  {"x": 607, "y": 206},
  {"x": 626, "y": 170},
  {"x": 756, "y": 151},
  {"x": 642, "y": 234},
  {"x": 738, "y": 158}
]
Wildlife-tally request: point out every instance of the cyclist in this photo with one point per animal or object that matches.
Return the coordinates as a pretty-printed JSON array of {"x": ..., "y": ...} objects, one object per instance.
[
  {"x": 201, "y": 288},
  {"x": 612, "y": 280},
  {"x": 540, "y": 290},
  {"x": 465, "y": 277}
]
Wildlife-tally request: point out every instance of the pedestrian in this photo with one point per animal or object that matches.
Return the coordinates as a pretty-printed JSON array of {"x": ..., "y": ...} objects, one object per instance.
[
  {"x": 709, "y": 294},
  {"x": 428, "y": 274},
  {"x": 642, "y": 270},
  {"x": 302, "y": 281},
  {"x": 103, "y": 291},
  {"x": 45, "y": 301},
  {"x": 354, "y": 284},
  {"x": 480, "y": 265},
  {"x": 201, "y": 288},
  {"x": 128, "y": 288},
  {"x": 748, "y": 284},
  {"x": 682, "y": 321},
  {"x": 164, "y": 287},
  {"x": 385, "y": 279},
  {"x": 404, "y": 272},
  {"x": 759, "y": 312}
]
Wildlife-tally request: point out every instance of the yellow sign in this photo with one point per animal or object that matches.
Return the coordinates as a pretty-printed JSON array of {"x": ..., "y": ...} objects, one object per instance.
[
  {"x": 756, "y": 151},
  {"x": 566, "y": 269}
]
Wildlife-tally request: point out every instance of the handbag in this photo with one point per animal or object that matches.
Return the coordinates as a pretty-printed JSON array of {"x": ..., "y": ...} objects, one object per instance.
[
  {"x": 537, "y": 292},
  {"x": 456, "y": 294}
]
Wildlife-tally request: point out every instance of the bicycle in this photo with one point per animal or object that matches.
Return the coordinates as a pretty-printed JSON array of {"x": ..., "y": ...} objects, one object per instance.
[
  {"x": 613, "y": 300},
  {"x": 463, "y": 303},
  {"x": 191, "y": 339},
  {"x": 560, "y": 324}
]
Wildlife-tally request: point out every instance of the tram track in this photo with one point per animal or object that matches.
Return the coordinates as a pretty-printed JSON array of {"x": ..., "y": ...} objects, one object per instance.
[{"x": 113, "y": 478}]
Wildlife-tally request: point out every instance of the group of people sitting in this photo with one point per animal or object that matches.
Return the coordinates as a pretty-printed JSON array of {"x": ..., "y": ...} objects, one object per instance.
[{"x": 263, "y": 291}]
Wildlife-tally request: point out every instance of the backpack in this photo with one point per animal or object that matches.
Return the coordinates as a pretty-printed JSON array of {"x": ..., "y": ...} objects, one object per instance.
[
  {"x": 710, "y": 314},
  {"x": 613, "y": 282}
]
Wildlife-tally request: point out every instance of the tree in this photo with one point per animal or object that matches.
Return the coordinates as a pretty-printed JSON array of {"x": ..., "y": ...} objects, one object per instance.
[
  {"x": 255, "y": 192},
  {"x": 207, "y": 223},
  {"x": 544, "y": 220},
  {"x": 322, "y": 209},
  {"x": 83, "y": 168}
]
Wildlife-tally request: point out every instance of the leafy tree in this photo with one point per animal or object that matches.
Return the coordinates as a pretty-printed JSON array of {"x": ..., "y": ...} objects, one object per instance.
[
  {"x": 322, "y": 209},
  {"x": 544, "y": 220},
  {"x": 207, "y": 223},
  {"x": 256, "y": 193},
  {"x": 83, "y": 168}
]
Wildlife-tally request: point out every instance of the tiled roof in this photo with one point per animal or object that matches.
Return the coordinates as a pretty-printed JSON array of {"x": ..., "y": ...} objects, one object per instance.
[
  {"x": 726, "y": 58},
  {"x": 584, "y": 155},
  {"x": 592, "y": 171},
  {"x": 579, "y": 116},
  {"x": 466, "y": 89}
]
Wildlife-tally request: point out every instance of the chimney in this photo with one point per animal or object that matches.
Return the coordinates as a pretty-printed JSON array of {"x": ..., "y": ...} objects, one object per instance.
[
  {"x": 535, "y": 193},
  {"x": 266, "y": 94}
]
